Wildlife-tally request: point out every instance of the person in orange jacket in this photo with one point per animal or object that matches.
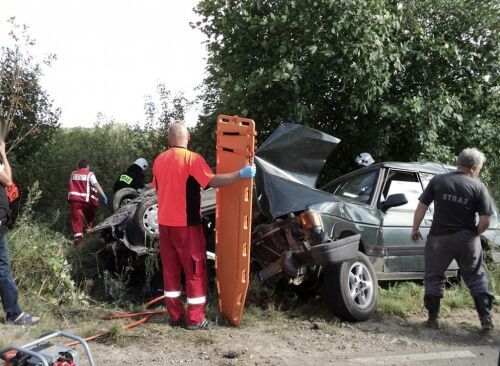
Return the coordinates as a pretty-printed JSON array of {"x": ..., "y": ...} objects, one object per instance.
[{"x": 178, "y": 176}]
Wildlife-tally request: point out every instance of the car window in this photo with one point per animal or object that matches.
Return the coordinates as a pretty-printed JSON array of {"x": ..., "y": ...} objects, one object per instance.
[
  {"x": 359, "y": 187},
  {"x": 403, "y": 182},
  {"x": 426, "y": 178},
  {"x": 333, "y": 187}
]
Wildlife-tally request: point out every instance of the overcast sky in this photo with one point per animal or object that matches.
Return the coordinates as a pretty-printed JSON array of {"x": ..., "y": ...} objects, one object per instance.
[{"x": 111, "y": 53}]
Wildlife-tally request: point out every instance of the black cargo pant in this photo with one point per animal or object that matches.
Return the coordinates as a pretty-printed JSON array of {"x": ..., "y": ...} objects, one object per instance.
[{"x": 465, "y": 247}]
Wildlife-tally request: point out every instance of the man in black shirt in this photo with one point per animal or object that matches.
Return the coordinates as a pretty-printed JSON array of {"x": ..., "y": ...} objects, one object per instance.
[
  {"x": 133, "y": 177},
  {"x": 458, "y": 196}
]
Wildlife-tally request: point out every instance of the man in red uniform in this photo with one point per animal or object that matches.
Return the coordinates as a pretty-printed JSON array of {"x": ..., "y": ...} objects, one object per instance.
[
  {"x": 178, "y": 175},
  {"x": 83, "y": 200}
]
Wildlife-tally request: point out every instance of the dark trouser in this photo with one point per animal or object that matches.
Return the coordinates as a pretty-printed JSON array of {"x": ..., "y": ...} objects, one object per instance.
[
  {"x": 183, "y": 249},
  {"x": 463, "y": 246},
  {"x": 8, "y": 289}
]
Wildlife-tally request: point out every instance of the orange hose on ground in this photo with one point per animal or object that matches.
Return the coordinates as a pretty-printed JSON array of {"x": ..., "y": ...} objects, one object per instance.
[
  {"x": 98, "y": 335},
  {"x": 131, "y": 315},
  {"x": 146, "y": 316}
]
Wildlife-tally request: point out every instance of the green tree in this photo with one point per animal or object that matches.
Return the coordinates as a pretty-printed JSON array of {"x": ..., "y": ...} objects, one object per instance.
[
  {"x": 109, "y": 147},
  {"x": 27, "y": 116},
  {"x": 161, "y": 109},
  {"x": 118, "y": 147},
  {"x": 403, "y": 80}
]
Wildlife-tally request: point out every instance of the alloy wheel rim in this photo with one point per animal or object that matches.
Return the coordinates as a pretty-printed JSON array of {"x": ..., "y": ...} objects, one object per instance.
[{"x": 360, "y": 285}]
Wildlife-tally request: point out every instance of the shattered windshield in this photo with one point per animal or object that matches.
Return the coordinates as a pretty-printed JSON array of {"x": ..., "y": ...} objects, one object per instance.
[{"x": 358, "y": 188}]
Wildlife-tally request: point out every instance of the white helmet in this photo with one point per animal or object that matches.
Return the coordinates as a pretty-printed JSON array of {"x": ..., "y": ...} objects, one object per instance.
[
  {"x": 364, "y": 159},
  {"x": 143, "y": 163}
]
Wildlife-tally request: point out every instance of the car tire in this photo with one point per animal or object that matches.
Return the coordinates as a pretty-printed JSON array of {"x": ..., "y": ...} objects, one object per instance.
[
  {"x": 122, "y": 196},
  {"x": 144, "y": 223},
  {"x": 351, "y": 289}
]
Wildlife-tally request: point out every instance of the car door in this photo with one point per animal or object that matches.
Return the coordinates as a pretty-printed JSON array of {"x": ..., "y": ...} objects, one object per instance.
[
  {"x": 355, "y": 212},
  {"x": 427, "y": 222},
  {"x": 402, "y": 253}
]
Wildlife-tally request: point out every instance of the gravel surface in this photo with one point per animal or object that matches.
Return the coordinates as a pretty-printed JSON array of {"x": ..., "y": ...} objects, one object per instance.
[{"x": 289, "y": 342}]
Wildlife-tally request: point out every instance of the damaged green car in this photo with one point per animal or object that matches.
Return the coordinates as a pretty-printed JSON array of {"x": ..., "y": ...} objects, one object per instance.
[{"x": 338, "y": 240}]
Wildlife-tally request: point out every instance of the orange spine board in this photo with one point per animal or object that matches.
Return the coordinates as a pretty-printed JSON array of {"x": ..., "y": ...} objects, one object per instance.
[{"x": 235, "y": 149}]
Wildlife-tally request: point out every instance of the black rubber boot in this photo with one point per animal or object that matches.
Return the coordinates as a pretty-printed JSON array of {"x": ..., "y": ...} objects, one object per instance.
[
  {"x": 484, "y": 303},
  {"x": 432, "y": 303}
]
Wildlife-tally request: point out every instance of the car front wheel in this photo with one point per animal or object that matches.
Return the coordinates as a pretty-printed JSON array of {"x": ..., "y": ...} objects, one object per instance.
[{"x": 351, "y": 289}]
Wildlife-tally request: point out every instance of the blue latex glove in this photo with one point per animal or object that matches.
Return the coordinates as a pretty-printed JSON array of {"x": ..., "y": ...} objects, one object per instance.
[
  {"x": 248, "y": 171},
  {"x": 104, "y": 199}
]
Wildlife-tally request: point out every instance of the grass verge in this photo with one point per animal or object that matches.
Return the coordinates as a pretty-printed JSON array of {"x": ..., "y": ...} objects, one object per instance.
[
  {"x": 405, "y": 298},
  {"x": 39, "y": 259}
]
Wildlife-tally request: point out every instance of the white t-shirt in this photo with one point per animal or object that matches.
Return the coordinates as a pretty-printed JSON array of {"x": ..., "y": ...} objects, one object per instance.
[
  {"x": 93, "y": 179},
  {"x": 2, "y": 167}
]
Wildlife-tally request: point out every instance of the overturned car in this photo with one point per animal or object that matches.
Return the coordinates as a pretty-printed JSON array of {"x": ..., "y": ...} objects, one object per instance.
[
  {"x": 337, "y": 240},
  {"x": 290, "y": 242}
]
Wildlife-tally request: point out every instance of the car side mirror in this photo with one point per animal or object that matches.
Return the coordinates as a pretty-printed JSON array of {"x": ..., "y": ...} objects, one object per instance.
[{"x": 394, "y": 200}]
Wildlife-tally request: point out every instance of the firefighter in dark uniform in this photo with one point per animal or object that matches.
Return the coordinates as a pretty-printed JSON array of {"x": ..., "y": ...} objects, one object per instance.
[
  {"x": 133, "y": 177},
  {"x": 458, "y": 196}
]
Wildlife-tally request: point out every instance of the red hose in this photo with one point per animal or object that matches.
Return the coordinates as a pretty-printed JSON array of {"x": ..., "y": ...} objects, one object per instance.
[{"x": 146, "y": 315}]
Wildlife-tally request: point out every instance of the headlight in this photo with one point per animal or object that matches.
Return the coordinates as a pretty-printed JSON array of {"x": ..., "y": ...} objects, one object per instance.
[{"x": 310, "y": 219}]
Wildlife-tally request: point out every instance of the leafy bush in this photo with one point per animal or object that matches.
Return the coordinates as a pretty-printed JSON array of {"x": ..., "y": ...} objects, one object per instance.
[
  {"x": 119, "y": 146},
  {"x": 38, "y": 258}
]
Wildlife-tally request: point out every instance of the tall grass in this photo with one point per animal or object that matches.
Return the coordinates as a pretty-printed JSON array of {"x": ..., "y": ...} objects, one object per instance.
[
  {"x": 45, "y": 265},
  {"x": 38, "y": 258},
  {"x": 493, "y": 270},
  {"x": 406, "y": 298}
]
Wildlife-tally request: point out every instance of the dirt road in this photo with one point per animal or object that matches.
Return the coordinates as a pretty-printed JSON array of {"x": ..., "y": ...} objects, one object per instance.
[{"x": 286, "y": 341}]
